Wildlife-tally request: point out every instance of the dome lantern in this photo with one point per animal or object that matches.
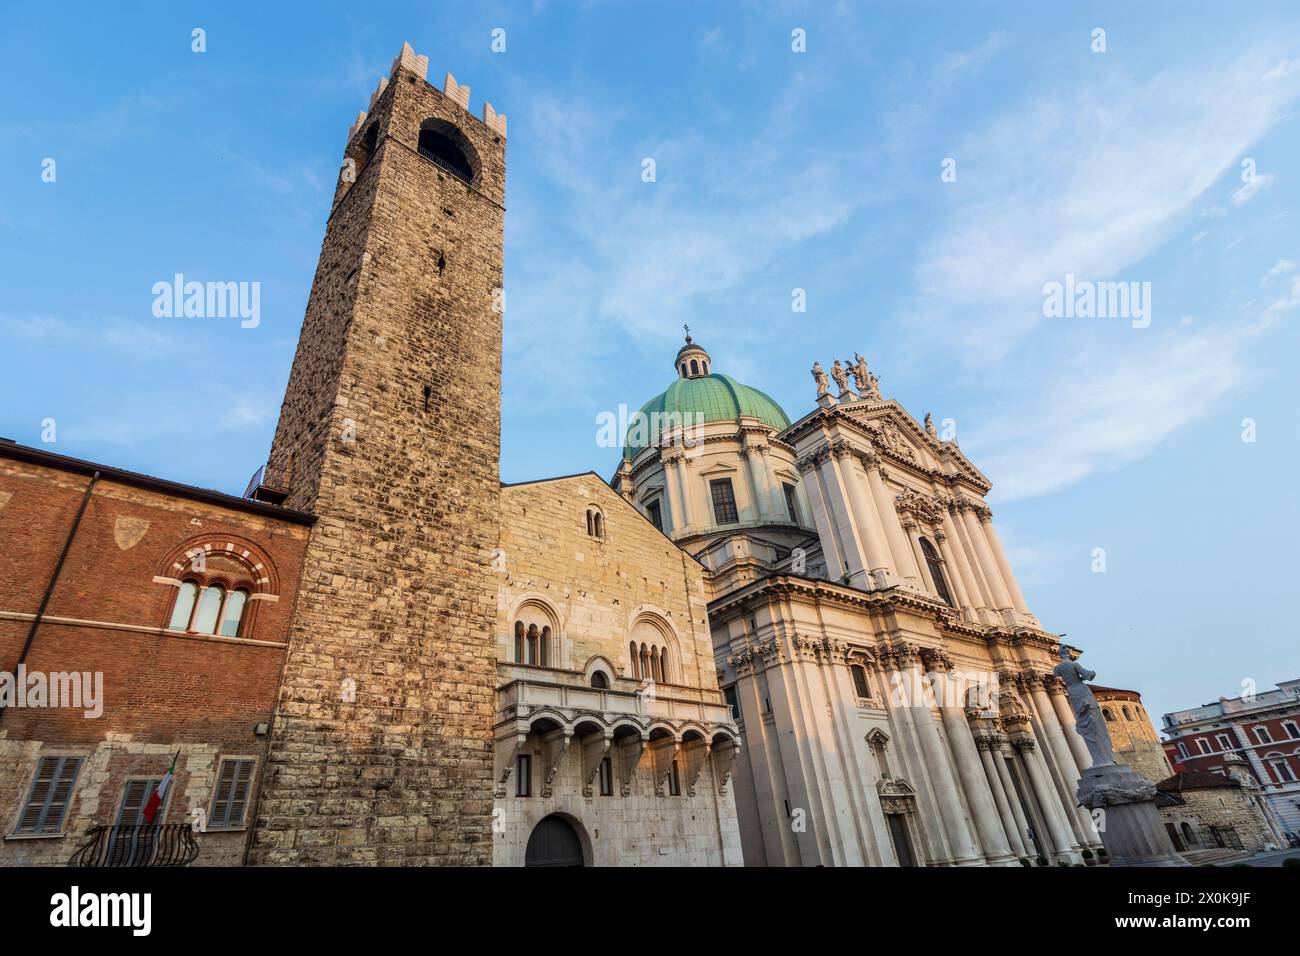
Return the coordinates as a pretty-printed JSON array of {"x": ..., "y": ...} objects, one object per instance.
[{"x": 692, "y": 360}]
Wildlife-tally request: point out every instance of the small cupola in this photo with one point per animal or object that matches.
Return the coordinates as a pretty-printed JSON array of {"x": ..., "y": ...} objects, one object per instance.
[{"x": 692, "y": 361}]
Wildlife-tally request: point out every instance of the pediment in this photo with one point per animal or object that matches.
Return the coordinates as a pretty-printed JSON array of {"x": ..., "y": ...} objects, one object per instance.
[
  {"x": 719, "y": 468},
  {"x": 900, "y": 437}
]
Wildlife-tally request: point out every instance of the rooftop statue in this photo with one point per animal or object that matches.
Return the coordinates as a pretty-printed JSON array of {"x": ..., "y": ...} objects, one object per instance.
[
  {"x": 819, "y": 376},
  {"x": 841, "y": 377}
]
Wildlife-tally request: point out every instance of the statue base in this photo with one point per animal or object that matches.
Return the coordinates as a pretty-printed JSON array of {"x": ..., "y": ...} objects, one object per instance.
[
  {"x": 1130, "y": 827},
  {"x": 826, "y": 400}
]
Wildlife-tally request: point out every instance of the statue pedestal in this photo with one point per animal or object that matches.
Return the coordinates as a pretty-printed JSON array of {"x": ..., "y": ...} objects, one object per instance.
[
  {"x": 826, "y": 400},
  {"x": 1131, "y": 828}
]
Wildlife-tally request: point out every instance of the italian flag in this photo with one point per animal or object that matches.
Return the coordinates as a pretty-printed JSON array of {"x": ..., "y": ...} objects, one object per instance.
[{"x": 156, "y": 798}]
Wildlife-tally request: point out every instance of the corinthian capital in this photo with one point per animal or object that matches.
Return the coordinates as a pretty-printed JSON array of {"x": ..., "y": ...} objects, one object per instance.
[
  {"x": 841, "y": 448},
  {"x": 936, "y": 659}
]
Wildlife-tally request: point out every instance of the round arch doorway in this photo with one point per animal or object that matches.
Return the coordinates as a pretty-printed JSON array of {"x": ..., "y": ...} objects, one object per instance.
[{"x": 554, "y": 842}]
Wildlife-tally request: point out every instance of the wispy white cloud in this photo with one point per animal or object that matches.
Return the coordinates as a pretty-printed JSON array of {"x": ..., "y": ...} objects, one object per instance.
[
  {"x": 89, "y": 334},
  {"x": 1088, "y": 180},
  {"x": 1251, "y": 189},
  {"x": 1099, "y": 411},
  {"x": 1281, "y": 267},
  {"x": 648, "y": 254},
  {"x": 1092, "y": 180}
]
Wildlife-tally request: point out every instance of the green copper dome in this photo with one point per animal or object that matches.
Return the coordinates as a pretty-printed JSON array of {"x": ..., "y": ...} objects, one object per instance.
[{"x": 708, "y": 398}]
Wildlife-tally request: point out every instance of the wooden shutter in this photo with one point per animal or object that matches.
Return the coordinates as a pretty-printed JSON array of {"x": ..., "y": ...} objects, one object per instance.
[
  {"x": 234, "y": 780},
  {"x": 134, "y": 797},
  {"x": 51, "y": 793}
]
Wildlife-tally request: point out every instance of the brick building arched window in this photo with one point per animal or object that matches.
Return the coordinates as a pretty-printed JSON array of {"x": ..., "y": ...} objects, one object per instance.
[{"x": 218, "y": 583}]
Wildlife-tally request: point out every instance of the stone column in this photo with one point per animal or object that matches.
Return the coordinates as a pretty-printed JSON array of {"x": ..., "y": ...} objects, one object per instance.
[
  {"x": 867, "y": 820},
  {"x": 979, "y": 588},
  {"x": 756, "y": 455},
  {"x": 1059, "y": 753},
  {"x": 854, "y": 557},
  {"x": 955, "y": 582},
  {"x": 688, "y": 510},
  {"x": 999, "y": 753},
  {"x": 904, "y": 564},
  {"x": 670, "y": 462},
  {"x": 910, "y": 755},
  {"x": 961, "y": 568},
  {"x": 869, "y": 528},
  {"x": 756, "y": 507},
  {"x": 986, "y": 743},
  {"x": 1001, "y": 600},
  {"x": 960, "y": 838},
  {"x": 1065, "y": 717},
  {"x": 1003, "y": 565},
  {"x": 973, "y": 781},
  {"x": 1048, "y": 802},
  {"x": 823, "y": 519}
]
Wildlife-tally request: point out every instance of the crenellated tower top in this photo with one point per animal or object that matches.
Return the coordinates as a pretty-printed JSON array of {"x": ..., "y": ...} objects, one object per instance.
[{"x": 419, "y": 65}]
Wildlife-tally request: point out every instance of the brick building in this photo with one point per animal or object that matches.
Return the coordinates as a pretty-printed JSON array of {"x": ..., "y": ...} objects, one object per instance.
[
  {"x": 1261, "y": 731},
  {"x": 179, "y": 599}
]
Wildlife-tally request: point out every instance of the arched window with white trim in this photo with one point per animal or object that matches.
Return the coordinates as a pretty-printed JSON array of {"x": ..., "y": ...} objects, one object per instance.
[{"x": 212, "y": 595}]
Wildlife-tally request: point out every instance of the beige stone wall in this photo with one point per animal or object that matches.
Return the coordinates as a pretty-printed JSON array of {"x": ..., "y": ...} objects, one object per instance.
[
  {"x": 390, "y": 433},
  {"x": 1219, "y": 807},
  {"x": 696, "y": 828},
  {"x": 599, "y": 588},
  {"x": 597, "y": 594},
  {"x": 1133, "y": 735}
]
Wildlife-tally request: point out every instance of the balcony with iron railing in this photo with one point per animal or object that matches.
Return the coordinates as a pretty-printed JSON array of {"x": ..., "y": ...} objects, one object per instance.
[{"x": 166, "y": 844}]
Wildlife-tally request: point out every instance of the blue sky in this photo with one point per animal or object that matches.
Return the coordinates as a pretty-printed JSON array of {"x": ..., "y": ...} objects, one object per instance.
[{"x": 775, "y": 170}]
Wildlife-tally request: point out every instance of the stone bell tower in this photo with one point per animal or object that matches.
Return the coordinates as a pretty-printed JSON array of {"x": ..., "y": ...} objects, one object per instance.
[{"x": 381, "y": 750}]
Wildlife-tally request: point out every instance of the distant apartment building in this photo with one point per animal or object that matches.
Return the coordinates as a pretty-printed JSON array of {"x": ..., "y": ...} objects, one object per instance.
[{"x": 1263, "y": 729}]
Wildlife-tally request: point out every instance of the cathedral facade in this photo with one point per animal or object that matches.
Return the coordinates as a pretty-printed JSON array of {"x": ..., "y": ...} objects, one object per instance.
[
  {"x": 894, "y": 691},
  {"x": 764, "y": 641}
]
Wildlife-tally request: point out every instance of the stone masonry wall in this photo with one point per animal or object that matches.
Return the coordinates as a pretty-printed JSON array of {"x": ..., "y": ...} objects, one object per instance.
[
  {"x": 597, "y": 586},
  {"x": 390, "y": 434}
]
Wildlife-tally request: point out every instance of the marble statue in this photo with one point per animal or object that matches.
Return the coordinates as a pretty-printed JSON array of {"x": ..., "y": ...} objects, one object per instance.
[
  {"x": 861, "y": 375},
  {"x": 929, "y": 426},
  {"x": 1121, "y": 800},
  {"x": 1088, "y": 720},
  {"x": 868, "y": 384},
  {"x": 819, "y": 376},
  {"x": 841, "y": 377}
]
